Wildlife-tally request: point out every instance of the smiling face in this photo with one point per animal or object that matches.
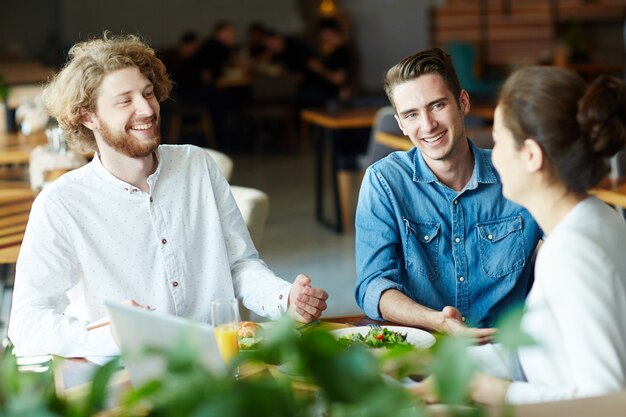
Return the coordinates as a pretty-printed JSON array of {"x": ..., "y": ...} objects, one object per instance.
[
  {"x": 127, "y": 113},
  {"x": 429, "y": 115}
]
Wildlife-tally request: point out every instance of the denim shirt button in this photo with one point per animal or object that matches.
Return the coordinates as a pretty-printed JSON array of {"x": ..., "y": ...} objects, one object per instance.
[
  {"x": 463, "y": 318},
  {"x": 456, "y": 202},
  {"x": 426, "y": 237},
  {"x": 457, "y": 240},
  {"x": 490, "y": 237},
  {"x": 461, "y": 279}
]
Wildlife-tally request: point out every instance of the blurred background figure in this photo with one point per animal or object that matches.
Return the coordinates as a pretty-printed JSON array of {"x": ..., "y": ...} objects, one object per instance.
[
  {"x": 218, "y": 52},
  {"x": 183, "y": 64},
  {"x": 186, "y": 117},
  {"x": 256, "y": 50},
  {"x": 289, "y": 52},
  {"x": 330, "y": 72}
]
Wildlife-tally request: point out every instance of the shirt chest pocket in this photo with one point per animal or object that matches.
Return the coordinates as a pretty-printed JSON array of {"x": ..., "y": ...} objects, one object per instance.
[
  {"x": 501, "y": 246},
  {"x": 421, "y": 249}
]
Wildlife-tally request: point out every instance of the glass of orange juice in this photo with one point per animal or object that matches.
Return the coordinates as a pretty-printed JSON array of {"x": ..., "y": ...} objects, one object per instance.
[{"x": 225, "y": 322}]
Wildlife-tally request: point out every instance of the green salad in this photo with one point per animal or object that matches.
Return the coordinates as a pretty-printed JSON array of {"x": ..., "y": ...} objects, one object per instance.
[
  {"x": 249, "y": 343},
  {"x": 375, "y": 338}
]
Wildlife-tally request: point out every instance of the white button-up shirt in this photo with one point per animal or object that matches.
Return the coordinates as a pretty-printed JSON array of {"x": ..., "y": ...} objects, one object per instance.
[{"x": 92, "y": 237}]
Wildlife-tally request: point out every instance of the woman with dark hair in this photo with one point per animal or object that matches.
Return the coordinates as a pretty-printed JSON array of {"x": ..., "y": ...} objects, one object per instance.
[{"x": 552, "y": 135}]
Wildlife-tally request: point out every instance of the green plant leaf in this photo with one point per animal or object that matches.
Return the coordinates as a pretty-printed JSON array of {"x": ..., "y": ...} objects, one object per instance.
[
  {"x": 509, "y": 332},
  {"x": 96, "y": 400},
  {"x": 452, "y": 369}
]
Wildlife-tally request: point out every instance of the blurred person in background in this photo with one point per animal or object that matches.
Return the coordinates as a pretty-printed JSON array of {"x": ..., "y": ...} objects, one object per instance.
[{"x": 218, "y": 52}]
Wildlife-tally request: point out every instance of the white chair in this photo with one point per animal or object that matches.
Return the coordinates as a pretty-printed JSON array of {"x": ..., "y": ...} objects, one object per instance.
[{"x": 254, "y": 204}]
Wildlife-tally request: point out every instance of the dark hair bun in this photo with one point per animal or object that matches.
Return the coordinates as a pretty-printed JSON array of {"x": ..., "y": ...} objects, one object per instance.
[{"x": 602, "y": 115}]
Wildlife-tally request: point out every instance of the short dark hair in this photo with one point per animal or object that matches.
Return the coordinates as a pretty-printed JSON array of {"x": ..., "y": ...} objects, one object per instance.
[
  {"x": 188, "y": 37},
  {"x": 429, "y": 61},
  {"x": 576, "y": 125},
  {"x": 329, "y": 24},
  {"x": 221, "y": 25}
]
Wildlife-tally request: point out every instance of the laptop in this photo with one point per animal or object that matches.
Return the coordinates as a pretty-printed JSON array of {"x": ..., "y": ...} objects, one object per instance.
[{"x": 137, "y": 329}]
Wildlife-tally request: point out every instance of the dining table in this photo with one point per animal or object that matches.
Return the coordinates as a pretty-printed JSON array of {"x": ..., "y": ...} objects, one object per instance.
[
  {"x": 15, "y": 204},
  {"x": 73, "y": 379},
  {"x": 611, "y": 190},
  {"x": 73, "y": 376},
  {"x": 15, "y": 147},
  {"x": 326, "y": 122}
]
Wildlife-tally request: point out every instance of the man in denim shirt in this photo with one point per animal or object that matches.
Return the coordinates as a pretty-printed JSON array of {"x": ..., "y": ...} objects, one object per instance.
[{"x": 437, "y": 245}]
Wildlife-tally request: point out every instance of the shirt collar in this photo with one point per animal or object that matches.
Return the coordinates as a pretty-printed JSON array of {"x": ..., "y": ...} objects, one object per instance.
[
  {"x": 483, "y": 172},
  {"x": 117, "y": 183}
]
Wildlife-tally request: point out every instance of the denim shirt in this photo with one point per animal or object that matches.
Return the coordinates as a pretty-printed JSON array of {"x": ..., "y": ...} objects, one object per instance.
[{"x": 469, "y": 249}]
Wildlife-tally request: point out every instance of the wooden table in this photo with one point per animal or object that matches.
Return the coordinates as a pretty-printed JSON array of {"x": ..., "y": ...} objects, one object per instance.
[
  {"x": 15, "y": 204},
  {"x": 612, "y": 191},
  {"x": 73, "y": 378},
  {"x": 15, "y": 207},
  {"x": 328, "y": 121},
  {"x": 397, "y": 142},
  {"x": 15, "y": 148}
]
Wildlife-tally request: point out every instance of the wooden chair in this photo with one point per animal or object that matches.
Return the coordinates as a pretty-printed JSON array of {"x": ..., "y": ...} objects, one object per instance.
[
  {"x": 15, "y": 204},
  {"x": 188, "y": 119},
  {"x": 253, "y": 204},
  {"x": 53, "y": 174}
]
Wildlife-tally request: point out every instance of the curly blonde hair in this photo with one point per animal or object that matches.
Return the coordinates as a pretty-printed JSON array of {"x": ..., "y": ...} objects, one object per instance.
[{"x": 75, "y": 88}]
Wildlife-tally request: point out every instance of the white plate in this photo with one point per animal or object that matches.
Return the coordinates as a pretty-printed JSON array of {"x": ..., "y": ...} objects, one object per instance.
[{"x": 416, "y": 337}]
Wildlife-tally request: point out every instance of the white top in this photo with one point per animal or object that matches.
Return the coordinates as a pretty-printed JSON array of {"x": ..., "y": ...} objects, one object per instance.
[
  {"x": 576, "y": 310},
  {"x": 92, "y": 237}
]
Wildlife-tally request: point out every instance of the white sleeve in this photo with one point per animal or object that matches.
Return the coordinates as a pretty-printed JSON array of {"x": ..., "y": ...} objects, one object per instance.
[
  {"x": 46, "y": 270},
  {"x": 259, "y": 289},
  {"x": 492, "y": 359},
  {"x": 584, "y": 293}
]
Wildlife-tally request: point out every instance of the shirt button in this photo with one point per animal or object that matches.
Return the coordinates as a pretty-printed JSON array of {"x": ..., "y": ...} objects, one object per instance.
[
  {"x": 461, "y": 279},
  {"x": 490, "y": 237},
  {"x": 175, "y": 284},
  {"x": 457, "y": 240},
  {"x": 456, "y": 202},
  {"x": 426, "y": 237},
  {"x": 164, "y": 241},
  {"x": 463, "y": 318},
  {"x": 151, "y": 199},
  {"x": 280, "y": 297}
]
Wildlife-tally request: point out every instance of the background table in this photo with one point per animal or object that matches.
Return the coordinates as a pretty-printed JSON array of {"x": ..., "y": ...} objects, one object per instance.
[
  {"x": 329, "y": 121},
  {"x": 15, "y": 207}
]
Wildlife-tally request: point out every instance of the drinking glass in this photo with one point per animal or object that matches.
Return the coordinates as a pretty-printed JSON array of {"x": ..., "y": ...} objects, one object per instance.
[{"x": 225, "y": 322}]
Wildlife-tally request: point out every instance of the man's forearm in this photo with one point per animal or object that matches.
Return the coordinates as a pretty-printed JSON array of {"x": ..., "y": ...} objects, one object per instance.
[{"x": 398, "y": 308}]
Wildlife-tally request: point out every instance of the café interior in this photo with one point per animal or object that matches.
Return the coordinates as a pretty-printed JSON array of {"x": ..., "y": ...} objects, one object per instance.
[{"x": 292, "y": 148}]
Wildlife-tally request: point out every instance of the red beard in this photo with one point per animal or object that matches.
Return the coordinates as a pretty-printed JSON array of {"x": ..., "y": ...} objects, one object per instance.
[{"x": 129, "y": 145}]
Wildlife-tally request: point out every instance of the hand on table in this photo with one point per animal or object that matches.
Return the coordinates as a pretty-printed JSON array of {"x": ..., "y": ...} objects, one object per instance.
[
  {"x": 452, "y": 323},
  {"x": 306, "y": 303}
]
